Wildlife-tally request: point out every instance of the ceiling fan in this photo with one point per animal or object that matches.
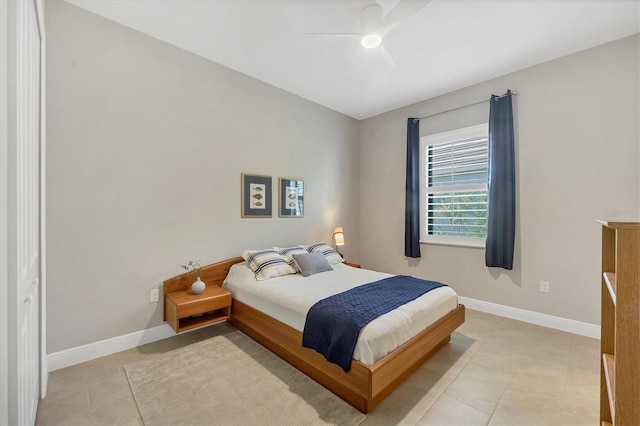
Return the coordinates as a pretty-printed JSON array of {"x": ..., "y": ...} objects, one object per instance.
[{"x": 374, "y": 26}]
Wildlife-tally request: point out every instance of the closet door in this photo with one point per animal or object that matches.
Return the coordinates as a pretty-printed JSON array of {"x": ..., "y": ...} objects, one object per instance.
[{"x": 23, "y": 150}]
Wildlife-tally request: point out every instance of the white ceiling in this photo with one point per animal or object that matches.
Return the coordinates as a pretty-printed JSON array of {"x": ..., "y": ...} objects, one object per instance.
[{"x": 447, "y": 45}]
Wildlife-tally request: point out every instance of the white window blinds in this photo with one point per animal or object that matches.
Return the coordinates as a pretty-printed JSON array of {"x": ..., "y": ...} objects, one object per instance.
[{"x": 455, "y": 181}]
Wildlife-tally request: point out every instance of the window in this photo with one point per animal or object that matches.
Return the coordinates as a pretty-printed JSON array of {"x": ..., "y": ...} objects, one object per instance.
[{"x": 454, "y": 175}]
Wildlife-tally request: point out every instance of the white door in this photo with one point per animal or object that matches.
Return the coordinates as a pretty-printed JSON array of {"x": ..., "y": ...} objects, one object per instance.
[{"x": 23, "y": 152}]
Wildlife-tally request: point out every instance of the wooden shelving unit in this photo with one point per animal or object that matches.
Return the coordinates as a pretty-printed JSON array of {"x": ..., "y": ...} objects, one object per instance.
[{"x": 620, "y": 336}]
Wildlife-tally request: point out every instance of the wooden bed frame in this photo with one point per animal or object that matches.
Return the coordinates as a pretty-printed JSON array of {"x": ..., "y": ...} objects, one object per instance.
[{"x": 364, "y": 386}]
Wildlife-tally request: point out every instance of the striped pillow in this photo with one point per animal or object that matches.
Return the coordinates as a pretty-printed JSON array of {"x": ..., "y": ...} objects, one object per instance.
[
  {"x": 332, "y": 256},
  {"x": 288, "y": 254},
  {"x": 267, "y": 263}
]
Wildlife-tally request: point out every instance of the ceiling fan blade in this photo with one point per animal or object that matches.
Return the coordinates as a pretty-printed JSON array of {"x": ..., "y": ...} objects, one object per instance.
[
  {"x": 403, "y": 10},
  {"x": 378, "y": 58},
  {"x": 333, "y": 37},
  {"x": 335, "y": 34},
  {"x": 386, "y": 57}
]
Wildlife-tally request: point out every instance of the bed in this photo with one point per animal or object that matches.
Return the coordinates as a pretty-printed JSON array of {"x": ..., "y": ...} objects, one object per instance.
[{"x": 382, "y": 361}]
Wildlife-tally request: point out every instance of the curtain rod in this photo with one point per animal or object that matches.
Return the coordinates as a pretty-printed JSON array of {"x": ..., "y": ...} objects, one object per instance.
[{"x": 513, "y": 92}]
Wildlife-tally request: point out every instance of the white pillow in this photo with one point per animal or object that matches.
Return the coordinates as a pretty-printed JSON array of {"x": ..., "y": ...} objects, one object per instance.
[
  {"x": 332, "y": 256},
  {"x": 288, "y": 254},
  {"x": 267, "y": 263}
]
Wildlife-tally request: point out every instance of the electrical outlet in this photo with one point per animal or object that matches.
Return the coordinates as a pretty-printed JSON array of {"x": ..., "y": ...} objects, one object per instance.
[
  {"x": 154, "y": 296},
  {"x": 544, "y": 286}
]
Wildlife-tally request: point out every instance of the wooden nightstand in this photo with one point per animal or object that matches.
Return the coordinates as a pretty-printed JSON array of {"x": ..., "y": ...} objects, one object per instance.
[
  {"x": 213, "y": 305},
  {"x": 353, "y": 265}
]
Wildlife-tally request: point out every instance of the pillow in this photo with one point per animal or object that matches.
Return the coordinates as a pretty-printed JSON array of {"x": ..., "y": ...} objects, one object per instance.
[
  {"x": 312, "y": 263},
  {"x": 267, "y": 263},
  {"x": 332, "y": 256},
  {"x": 289, "y": 252}
]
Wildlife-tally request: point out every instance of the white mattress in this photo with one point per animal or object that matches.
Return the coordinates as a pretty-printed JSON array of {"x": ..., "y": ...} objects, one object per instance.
[{"x": 289, "y": 298}]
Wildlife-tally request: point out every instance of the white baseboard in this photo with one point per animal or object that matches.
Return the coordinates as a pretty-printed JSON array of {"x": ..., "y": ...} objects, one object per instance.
[
  {"x": 72, "y": 356},
  {"x": 558, "y": 323}
]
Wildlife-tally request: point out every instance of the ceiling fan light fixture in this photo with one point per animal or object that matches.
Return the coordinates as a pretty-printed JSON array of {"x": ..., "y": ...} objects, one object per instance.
[{"x": 371, "y": 40}]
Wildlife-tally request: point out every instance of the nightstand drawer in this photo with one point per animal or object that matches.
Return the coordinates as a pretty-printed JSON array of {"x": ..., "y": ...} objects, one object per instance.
[{"x": 199, "y": 306}]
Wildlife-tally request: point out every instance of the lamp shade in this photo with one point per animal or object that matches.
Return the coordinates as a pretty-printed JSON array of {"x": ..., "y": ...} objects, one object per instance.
[{"x": 338, "y": 236}]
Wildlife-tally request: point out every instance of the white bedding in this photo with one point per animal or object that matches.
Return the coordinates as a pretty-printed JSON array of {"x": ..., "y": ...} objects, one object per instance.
[{"x": 289, "y": 298}]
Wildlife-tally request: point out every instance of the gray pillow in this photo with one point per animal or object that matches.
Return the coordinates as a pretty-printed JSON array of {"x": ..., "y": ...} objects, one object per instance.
[{"x": 312, "y": 263}]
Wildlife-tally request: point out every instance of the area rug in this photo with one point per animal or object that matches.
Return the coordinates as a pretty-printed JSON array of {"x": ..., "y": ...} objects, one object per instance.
[{"x": 231, "y": 380}]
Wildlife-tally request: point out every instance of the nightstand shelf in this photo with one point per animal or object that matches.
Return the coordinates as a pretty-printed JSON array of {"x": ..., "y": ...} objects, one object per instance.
[{"x": 184, "y": 310}]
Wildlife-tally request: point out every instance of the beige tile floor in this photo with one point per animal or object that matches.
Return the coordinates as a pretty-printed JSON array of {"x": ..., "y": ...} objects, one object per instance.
[{"x": 495, "y": 371}]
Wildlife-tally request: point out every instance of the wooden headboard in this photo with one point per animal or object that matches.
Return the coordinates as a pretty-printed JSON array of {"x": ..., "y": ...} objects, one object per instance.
[{"x": 213, "y": 274}]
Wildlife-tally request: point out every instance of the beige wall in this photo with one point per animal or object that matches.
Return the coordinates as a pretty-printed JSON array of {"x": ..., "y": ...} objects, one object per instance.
[
  {"x": 146, "y": 144},
  {"x": 577, "y": 147}
]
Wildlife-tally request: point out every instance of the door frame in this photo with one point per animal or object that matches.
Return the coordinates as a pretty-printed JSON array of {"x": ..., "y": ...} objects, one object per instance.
[
  {"x": 44, "y": 367},
  {"x": 4, "y": 220}
]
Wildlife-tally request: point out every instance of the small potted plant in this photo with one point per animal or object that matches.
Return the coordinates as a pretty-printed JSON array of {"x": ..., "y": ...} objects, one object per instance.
[{"x": 194, "y": 265}]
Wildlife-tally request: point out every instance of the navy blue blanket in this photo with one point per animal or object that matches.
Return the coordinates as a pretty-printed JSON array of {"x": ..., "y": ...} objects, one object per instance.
[{"x": 333, "y": 324}]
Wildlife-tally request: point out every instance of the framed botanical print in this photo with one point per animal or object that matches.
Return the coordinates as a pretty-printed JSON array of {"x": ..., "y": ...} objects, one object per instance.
[
  {"x": 291, "y": 197},
  {"x": 256, "y": 196}
]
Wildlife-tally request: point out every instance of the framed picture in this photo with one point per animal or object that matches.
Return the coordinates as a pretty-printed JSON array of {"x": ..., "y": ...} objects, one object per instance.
[
  {"x": 291, "y": 197},
  {"x": 256, "y": 196}
]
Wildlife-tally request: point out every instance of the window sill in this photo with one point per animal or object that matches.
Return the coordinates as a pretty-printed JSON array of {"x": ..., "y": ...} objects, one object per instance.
[{"x": 480, "y": 244}]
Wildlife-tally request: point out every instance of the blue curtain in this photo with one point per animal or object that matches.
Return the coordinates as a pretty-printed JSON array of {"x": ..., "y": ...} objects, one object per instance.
[
  {"x": 501, "y": 217},
  {"x": 412, "y": 195}
]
